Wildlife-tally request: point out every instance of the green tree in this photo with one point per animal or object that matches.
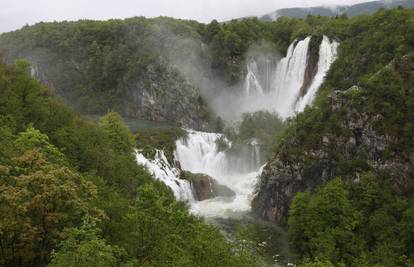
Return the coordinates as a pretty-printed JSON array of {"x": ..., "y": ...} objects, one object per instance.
[
  {"x": 34, "y": 139},
  {"x": 322, "y": 225},
  {"x": 84, "y": 247},
  {"x": 39, "y": 199},
  {"x": 119, "y": 136}
]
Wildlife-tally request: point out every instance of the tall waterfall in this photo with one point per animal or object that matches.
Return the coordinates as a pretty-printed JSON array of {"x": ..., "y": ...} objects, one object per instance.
[
  {"x": 288, "y": 79},
  {"x": 290, "y": 74},
  {"x": 327, "y": 55}
]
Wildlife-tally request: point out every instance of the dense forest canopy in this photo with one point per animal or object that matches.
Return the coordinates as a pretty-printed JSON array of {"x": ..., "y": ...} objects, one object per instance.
[
  {"x": 357, "y": 212},
  {"x": 71, "y": 187},
  {"x": 96, "y": 64},
  {"x": 72, "y": 192}
]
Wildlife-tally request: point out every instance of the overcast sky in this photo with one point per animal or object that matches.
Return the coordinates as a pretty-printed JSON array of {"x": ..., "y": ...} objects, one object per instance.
[{"x": 16, "y": 13}]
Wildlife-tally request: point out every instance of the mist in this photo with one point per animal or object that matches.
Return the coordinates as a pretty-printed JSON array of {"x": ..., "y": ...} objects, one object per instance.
[
  {"x": 189, "y": 57},
  {"x": 17, "y": 13},
  {"x": 269, "y": 81}
]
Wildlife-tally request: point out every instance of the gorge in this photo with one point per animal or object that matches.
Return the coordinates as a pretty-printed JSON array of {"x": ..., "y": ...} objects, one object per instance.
[
  {"x": 170, "y": 142},
  {"x": 284, "y": 88}
]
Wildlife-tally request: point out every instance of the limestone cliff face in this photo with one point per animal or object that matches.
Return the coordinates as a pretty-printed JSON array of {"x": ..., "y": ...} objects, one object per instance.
[
  {"x": 164, "y": 95},
  {"x": 351, "y": 146},
  {"x": 130, "y": 68},
  {"x": 160, "y": 93}
]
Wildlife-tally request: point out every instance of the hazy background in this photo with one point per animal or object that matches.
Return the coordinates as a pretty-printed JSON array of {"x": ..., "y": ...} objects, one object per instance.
[{"x": 16, "y": 13}]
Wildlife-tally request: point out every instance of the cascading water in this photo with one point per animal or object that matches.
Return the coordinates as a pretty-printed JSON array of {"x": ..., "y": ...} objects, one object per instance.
[
  {"x": 288, "y": 79},
  {"x": 277, "y": 87},
  {"x": 198, "y": 153},
  {"x": 161, "y": 169},
  {"x": 290, "y": 74},
  {"x": 252, "y": 84},
  {"x": 327, "y": 55}
]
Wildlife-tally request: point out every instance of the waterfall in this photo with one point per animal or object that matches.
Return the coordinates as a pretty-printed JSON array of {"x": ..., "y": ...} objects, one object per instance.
[
  {"x": 290, "y": 74},
  {"x": 280, "y": 90},
  {"x": 327, "y": 55},
  {"x": 252, "y": 84},
  {"x": 277, "y": 87},
  {"x": 161, "y": 169},
  {"x": 198, "y": 153}
]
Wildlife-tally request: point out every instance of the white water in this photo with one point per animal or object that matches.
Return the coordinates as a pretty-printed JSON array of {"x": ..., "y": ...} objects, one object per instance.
[
  {"x": 288, "y": 78},
  {"x": 198, "y": 153},
  {"x": 161, "y": 169},
  {"x": 327, "y": 55},
  {"x": 251, "y": 83},
  {"x": 278, "y": 89},
  {"x": 290, "y": 74}
]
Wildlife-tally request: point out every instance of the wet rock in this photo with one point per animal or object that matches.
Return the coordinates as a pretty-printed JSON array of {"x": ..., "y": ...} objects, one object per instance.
[
  {"x": 204, "y": 187},
  {"x": 357, "y": 148}
]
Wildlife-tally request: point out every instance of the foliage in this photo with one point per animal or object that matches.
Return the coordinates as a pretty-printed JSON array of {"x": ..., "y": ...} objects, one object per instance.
[
  {"x": 322, "y": 225},
  {"x": 359, "y": 224},
  {"x": 222, "y": 143},
  {"x": 163, "y": 139},
  {"x": 95, "y": 63},
  {"x": 118, "y": 134},
  {"x": 153, "y": 219},
  {"x": 316, "y": 263},
  {"x": 84, "y": 247},
  {"x": 372, "y": 207},
  {"x": 262, "y": 127},
  {"x": 359, "y": 221},
  {"x": 39, "y": 199},
  {"x": 72, "y": 194},
  {"x": 56, "y": 167}
]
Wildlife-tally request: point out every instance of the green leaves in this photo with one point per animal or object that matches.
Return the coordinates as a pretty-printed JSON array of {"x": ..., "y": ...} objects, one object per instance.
[
  {"x": 322, "y": 225},
  {"x": 84, "y": 247},
  {"x": 118, "y": 134},
  {"x": 358, "y": 224},
  {"x": 39, "y": 199}
]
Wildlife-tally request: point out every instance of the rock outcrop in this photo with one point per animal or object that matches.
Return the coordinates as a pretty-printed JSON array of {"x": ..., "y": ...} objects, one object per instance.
[
  {"x": 164, "y": 95},
  {"x": 345, "y": 140},
  {"x": 204, "y": 187}
]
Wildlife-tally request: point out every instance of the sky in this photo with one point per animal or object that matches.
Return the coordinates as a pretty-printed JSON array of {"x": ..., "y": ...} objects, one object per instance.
[{"x": 16, "y": 13}]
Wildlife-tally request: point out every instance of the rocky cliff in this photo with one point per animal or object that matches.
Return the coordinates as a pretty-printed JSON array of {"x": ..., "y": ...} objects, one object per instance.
[
  {"x": 362, "y": 129},
  {"x": 164, "y": 95},
  {"x": 121, "y": 66},
  {"x": 160, "y": 93}
]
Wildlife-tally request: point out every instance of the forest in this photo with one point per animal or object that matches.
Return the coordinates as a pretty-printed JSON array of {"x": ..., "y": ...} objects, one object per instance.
[{"x": 72, "y": 194}]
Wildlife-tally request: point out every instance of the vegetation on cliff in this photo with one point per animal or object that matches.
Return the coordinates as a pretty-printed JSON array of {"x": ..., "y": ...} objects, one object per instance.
[
  {"x": 361, "y": 131},
  {"x": 71, "y": 192},
  {"x": 71, "y": 188}
]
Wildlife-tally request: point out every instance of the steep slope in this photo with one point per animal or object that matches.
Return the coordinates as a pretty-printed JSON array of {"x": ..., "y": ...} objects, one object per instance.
[
  {"x": 72, "y": 191},
  {"x": 362, "y": 120},
  {"x": 354, "y": 132},
  {"x": 113, "y": 65}
]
